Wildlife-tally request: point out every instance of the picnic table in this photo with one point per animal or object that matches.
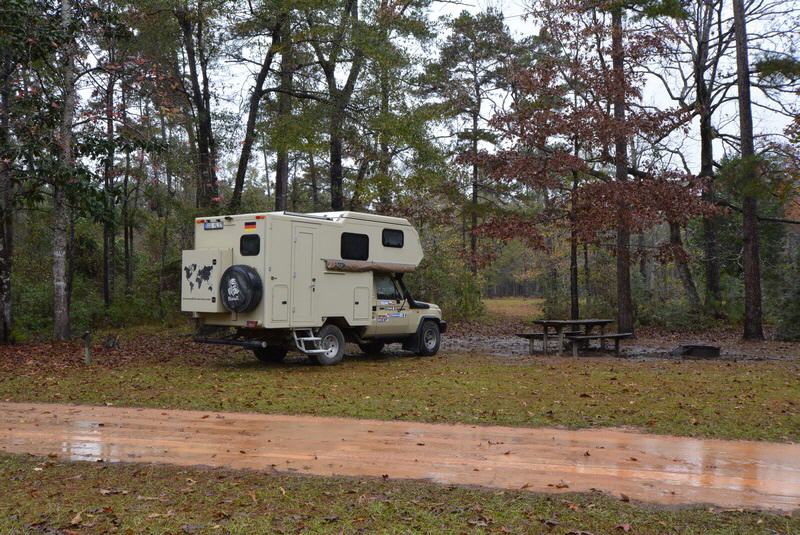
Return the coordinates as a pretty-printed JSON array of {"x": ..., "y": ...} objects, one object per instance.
[{"x": 558, "y": 327}]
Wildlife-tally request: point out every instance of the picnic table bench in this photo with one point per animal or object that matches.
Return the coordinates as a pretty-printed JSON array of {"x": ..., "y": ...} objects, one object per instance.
[
  {"x": 575, "y": 340},
  {"x": 577, "y": 327}
]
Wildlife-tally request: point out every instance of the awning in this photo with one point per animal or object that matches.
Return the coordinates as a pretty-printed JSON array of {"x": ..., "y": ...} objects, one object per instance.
[{"x": 361, "y": 266}]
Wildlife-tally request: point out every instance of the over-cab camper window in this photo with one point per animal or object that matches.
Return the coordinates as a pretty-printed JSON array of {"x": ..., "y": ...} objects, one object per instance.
[
  {"x": 249, "y": 245},
  {"x": 392, "y": 238},
  {"x": 355, "y": 246}
]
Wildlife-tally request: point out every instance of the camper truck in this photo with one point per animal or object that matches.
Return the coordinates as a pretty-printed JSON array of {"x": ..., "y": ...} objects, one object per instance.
[{"x": 276, "y": 280}]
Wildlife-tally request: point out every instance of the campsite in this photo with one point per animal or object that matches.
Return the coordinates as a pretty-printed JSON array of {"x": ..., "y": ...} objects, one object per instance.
[{"x": 414, "y": 266}]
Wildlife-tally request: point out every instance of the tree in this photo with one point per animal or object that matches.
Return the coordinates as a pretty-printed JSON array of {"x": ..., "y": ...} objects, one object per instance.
[
  {"x": 193, "y": 23},
  {"x": 335, "y": 38},
  {"x": 466, "y": 77},
  {"x": 753, "y": 329},
  {"x": 279, "y": 30},
  {"x": 573, "y": 107},
  {"x": 30, "y": 33},
  {"x": 61, "y": 213}
]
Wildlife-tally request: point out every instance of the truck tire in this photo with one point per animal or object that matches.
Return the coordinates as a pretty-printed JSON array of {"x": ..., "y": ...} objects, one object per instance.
[
  {"x": 240, "y": 288},
  {"x": 271, "y": 354},
  {"x": 372, "y": 348},
  {"x": 429, "y": 339},
  {"x": 332, "y": 340}
]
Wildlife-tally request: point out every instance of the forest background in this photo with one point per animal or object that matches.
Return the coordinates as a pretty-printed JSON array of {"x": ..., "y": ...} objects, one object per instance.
[{"x": 637, "y": 159}]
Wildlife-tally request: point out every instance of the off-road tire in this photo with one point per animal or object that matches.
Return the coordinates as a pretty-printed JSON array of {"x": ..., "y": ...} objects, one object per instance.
[
  {"x": 271, "y": 354},
  {"x": 331, "y": 338},
  {"x": 372, "y": 348},
  {"x": 430, "y": 338}
]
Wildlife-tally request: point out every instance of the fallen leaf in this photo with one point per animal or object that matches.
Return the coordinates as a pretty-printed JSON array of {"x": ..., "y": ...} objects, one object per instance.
[
  {"x": 623, "y": 527},
  {"x": 76, "y": 520}
]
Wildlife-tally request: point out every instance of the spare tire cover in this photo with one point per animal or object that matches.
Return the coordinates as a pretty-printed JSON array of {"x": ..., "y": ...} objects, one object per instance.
[{"x": 240, "y": 288}]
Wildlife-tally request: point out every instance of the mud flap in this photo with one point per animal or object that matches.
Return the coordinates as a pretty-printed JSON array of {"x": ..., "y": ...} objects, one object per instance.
[{"x": 412, "y": 342}]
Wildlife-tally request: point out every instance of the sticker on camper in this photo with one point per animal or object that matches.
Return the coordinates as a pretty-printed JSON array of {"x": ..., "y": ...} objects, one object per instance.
[
  {"x": 233, "y": 290},
  {"x": 250, "y": 226},
  {"x": 398, "y": 315}
]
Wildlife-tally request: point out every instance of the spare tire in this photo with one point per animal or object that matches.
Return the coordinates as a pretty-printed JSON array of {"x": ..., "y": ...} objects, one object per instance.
[{"x": 240, "y": 288}]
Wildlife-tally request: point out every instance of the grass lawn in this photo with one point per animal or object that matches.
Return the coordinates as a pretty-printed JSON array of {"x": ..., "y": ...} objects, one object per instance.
[
  {"x": 749, "y": 400},
  {"x": 515, "y": 308},
  {"x": 41, "y": 495}
]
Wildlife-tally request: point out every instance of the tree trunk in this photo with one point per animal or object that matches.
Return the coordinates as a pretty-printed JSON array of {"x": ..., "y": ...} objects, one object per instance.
[
  {"x": 266, "y": 172},
  {"x": 624, "y": 298},
  {"x": 6, "y": 201},
  {"x": 312, "y": 172},
  {"x": 337, "y": 177},
  {"x": 710, "y": 223},
  {"x": 753, "y": 329},
  {"x": 644, "y": 269},
  {"x": 165, "y": 222},
  {"x": 574, "y": 297},
  {"x": 587, "y": 282},
  {"x": 107, "y": 193},
  {"x": 473, "y": 237},
  {"x": 125, "y": 217},
  {"x": 60, "y": 209},
  {"x": 284, "y": 113},
  {"x": 684, "y": 272},
  {"x": 363, "y": 168}
]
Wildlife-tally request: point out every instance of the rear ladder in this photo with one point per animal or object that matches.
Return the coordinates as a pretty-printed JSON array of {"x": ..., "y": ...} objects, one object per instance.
[{"x": 307, "y": 342}]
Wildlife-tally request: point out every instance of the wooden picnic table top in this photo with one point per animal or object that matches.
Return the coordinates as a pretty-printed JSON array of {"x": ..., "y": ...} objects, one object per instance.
[{"x": 553, "y": 323}]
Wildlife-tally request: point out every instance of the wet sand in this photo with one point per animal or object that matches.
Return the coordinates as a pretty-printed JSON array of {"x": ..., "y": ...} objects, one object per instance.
[{"x": 650, "y": 468}]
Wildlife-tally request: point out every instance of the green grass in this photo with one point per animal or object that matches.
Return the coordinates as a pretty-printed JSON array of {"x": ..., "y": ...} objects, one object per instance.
[
  {"x": 516, "y": 308},
  {"x": 41, "y": 495},
  {"x": 753, "y": 400}
]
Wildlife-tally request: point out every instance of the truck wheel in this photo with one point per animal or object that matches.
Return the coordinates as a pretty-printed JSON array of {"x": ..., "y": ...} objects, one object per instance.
[
  {"x": 271, "y": 354},
  {"x": 372, "y": 348},
  {"x": 429, "y": 339},
  {"x": 332, "y": 341}
]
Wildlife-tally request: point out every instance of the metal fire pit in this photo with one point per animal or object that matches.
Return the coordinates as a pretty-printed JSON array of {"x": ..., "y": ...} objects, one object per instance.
[{"x": 696, "y": 351}]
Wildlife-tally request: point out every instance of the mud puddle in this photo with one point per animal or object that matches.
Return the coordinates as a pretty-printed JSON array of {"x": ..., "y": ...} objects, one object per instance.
[{"x": 650, "y": 468}]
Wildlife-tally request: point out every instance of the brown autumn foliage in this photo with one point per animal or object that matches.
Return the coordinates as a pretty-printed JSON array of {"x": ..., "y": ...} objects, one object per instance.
[{"x": 558, "y": 136}]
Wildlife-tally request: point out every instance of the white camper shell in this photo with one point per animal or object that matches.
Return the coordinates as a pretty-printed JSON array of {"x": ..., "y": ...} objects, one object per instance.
[{"x": 274, "y": 279}]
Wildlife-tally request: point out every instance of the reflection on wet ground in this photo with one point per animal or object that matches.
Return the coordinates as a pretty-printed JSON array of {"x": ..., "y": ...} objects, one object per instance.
[{"x": 651, "y": 468}]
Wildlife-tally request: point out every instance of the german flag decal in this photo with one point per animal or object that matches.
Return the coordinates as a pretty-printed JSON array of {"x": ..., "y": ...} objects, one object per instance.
[{"x": 250, "y": 226}]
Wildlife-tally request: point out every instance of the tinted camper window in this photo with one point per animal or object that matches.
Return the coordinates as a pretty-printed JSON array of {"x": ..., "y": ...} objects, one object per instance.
[
  {"x": 392, "y": 238},
  {"x": 355, "y": 246},
  {"x": 249, "y": 245}
]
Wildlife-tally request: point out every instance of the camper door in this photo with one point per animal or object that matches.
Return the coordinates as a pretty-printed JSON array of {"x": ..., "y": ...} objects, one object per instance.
[{"x": 304, "y": 278}]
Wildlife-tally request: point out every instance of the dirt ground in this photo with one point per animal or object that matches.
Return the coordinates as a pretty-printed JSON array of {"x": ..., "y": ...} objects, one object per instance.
[
  {"x": 496, "y": 335},
  {"x": 649, "y": 468}
]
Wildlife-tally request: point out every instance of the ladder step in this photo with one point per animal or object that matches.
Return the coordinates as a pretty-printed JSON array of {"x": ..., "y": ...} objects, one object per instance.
[{"x": 309, "y": 338}]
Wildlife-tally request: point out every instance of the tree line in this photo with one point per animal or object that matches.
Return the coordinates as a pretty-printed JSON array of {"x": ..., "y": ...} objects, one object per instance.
[{"x": 604, "y": 120}]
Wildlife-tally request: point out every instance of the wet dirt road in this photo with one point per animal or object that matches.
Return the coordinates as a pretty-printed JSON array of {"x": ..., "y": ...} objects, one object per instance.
[{"x": 651, "y": 468}]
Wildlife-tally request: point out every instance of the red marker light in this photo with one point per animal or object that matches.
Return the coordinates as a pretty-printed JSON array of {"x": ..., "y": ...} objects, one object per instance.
[
  {"x": 252, "y": 324},
  {"x": 261, "y": 217}
]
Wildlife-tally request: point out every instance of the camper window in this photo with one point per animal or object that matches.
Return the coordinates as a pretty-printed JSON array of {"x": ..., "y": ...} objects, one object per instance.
[
  {"x": 385, "y": 288},
  {"x": 249, "y": 245},
  {"x": 355, "y": 246},
  {"x": 392, "y": 238}
]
